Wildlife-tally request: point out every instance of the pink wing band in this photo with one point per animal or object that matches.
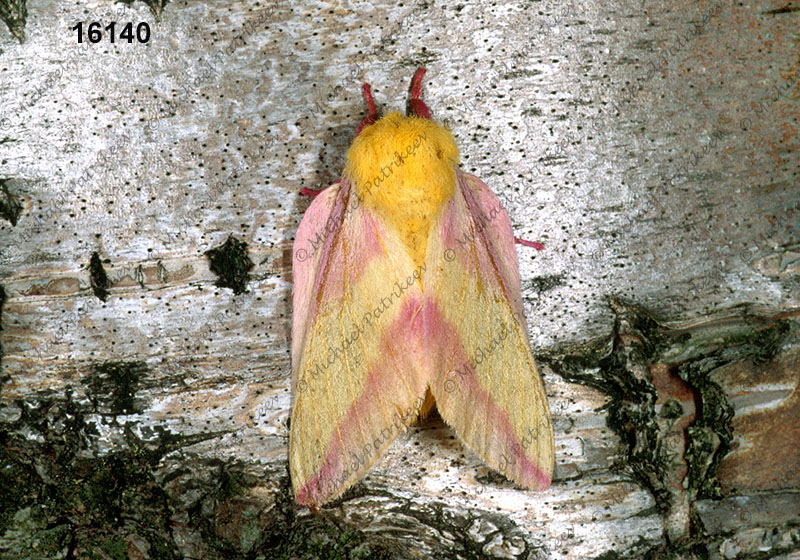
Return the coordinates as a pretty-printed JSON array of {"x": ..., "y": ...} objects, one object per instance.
[
  {"x": 444, "y": 337},
  {"x": 316, "y": 239},
  {"x": 391, "y": 373},
  {"x": 493, "y": 233},
  {"x": 365, "y": 246},
  {"x": 416, "y": 326}
]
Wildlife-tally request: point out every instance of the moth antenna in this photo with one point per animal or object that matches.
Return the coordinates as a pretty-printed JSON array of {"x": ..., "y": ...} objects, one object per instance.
[
  {"x": 372, "y": 109},
  {"x": 418, "y": 106}
]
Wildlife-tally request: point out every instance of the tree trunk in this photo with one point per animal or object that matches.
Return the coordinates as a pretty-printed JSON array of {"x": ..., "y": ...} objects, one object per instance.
[{"x": 148, "y": 205}]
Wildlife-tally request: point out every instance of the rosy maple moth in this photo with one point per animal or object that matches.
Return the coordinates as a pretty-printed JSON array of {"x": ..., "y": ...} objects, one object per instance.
[{"x": 407, "y": 294}]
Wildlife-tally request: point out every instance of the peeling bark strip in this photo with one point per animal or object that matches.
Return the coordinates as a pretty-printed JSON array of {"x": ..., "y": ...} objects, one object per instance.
[{"x": 673, "y": 419}]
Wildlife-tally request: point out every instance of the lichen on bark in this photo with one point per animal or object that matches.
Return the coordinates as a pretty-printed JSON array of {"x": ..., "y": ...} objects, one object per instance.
[
  {"x": 231, "y": 264},
  {"x": 14, "y": 13},
  {"x": 10, "y": 206},
  {"x": 677, "y": 467},
  {"x": 98, "y": 277}
]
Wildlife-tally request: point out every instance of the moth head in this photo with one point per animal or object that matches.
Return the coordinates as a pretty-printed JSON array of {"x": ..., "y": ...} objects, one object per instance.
[{"x": 403, "y": 167}]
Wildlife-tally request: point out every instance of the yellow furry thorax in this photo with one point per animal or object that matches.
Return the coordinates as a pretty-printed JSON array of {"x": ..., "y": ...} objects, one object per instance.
[{"x": 404, "y": 169}]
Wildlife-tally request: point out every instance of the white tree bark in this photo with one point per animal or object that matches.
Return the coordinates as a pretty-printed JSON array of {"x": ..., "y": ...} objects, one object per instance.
[{"x": 653, "y": 152}]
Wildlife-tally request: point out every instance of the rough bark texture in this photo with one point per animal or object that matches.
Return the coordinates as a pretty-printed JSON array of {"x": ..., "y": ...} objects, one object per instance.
[{"x": 148, "y": 203}]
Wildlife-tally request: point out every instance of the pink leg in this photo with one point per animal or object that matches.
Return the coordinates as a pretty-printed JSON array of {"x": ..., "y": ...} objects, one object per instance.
[
  {"x": 527, "y": 243},
  {"x": 309, "y": 192}
]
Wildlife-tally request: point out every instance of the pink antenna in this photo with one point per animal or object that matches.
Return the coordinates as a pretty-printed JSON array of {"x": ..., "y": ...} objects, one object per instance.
[
  {"x": 418, "y": 106},
  {"x": 372, "y": 110}
]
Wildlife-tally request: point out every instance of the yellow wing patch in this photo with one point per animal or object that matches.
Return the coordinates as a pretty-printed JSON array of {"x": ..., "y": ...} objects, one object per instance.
[
  {"x": 359, "y": 378},
  {"x": 486, "y": 383}
]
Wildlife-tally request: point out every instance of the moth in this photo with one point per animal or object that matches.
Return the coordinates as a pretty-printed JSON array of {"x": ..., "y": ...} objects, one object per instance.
[{"x": 407, "y": 296}]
